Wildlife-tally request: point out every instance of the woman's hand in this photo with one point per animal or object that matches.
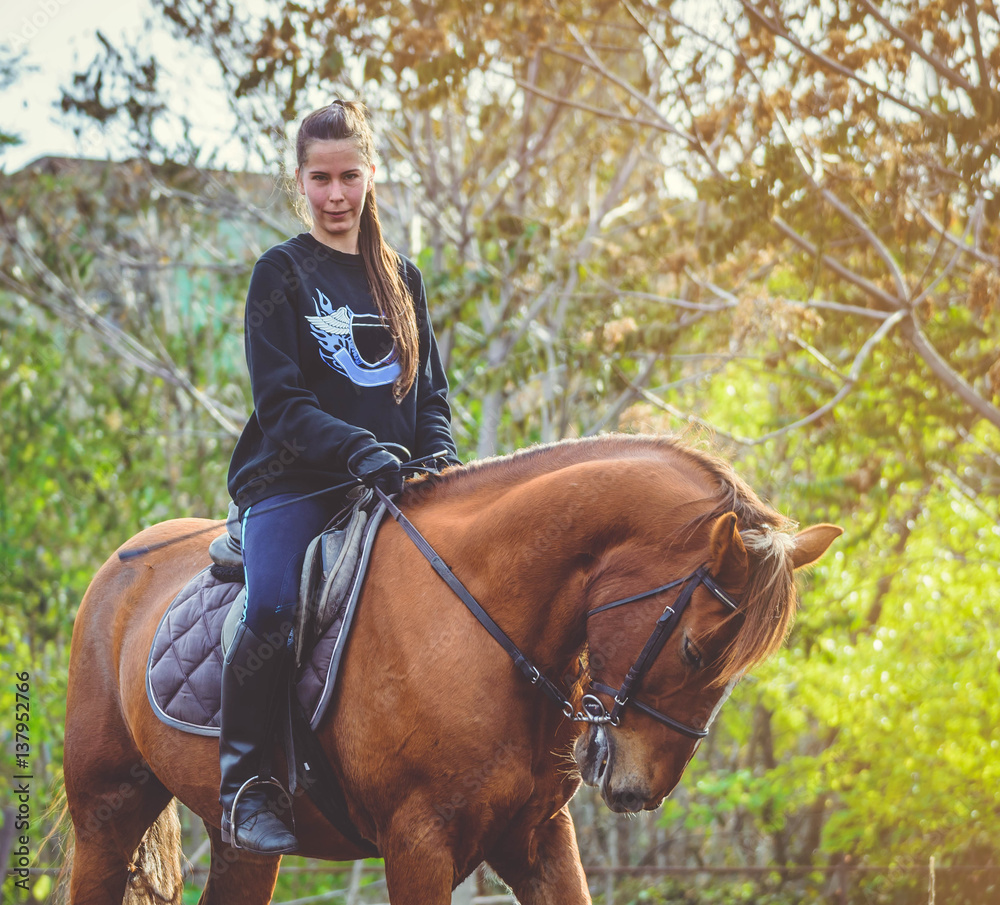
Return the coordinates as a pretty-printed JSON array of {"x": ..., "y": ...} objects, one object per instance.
[{"x": 381, "y": 469}]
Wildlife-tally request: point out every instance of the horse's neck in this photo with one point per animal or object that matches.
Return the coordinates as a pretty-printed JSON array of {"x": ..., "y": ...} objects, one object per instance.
[{"x": 530, "y": 549}]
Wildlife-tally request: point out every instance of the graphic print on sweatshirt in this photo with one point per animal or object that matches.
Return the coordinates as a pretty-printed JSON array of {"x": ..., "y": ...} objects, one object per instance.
[{"x": 354, "y": 344}]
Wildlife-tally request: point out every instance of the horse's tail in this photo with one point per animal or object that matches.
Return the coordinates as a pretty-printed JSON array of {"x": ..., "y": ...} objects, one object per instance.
[
  {"x": 60, "y": 837},
  {"x": 155, "y": 873}
]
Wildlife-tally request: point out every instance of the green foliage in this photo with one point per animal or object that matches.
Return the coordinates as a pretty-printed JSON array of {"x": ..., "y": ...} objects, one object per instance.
[{"x": 92, "y": 451}]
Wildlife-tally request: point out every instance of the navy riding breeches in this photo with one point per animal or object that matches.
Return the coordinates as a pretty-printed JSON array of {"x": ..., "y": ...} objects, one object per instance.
[{"x": 274, "y": 547}]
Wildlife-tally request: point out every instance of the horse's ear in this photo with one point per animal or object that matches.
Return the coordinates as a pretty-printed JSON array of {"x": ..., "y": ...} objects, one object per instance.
[
  {"x": 726, "y": 551},
  {"x": 812, "y": 543}
]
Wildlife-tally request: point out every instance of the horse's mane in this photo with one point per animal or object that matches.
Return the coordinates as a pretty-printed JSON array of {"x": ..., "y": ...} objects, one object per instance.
[{"x": 767, "y": 605}]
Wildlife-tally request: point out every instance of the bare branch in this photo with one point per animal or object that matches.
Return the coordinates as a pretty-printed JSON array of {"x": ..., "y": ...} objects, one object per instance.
[
  {"x": 880, "y": 247},
  {"x": 947, "y": 269},
  {"x": 815, "y": 353},
  {"x": 75, "y": 308},
  {"x": 592, "y": 61},
  {"x": 686, "y": 417},
  {"x": 668, "y": 300},
  {"x": 775, "y": 28},
  {"x": 237, "y": 203},
  {"x": 645, "y": 30},
  {"x": 731, "y": 301},
  {"x": 852, "y": 378},
  {"x": 823, "y": 305},
  {"x": 659, "y": 125},
  {"x": 846, "y": 273},
  {"x": 972, "y": 14},
  {"x": 979, "y": 255},
  {"x": 948, "y": 376},
  {"x": 184, "y": 382},
  {"x": 915, "y": 47},
  {"x": 850, "y": 382},
  {"x": 625, "y": 398},
  {"x": 910, "y": 329}
]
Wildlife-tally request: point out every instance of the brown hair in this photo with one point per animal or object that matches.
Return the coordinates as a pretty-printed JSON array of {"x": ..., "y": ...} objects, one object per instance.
[{"x": 349, "y": 120}]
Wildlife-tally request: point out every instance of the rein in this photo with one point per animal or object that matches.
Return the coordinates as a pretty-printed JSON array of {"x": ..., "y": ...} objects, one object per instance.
[
  {"x": 413, "y": 466},
  {"x": 593, "y": 709}
]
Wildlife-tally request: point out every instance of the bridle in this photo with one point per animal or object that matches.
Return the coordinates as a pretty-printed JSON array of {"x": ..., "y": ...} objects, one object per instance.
[
  {"x": 662, "y": 631},
  {"x": 592, "y": 707}
]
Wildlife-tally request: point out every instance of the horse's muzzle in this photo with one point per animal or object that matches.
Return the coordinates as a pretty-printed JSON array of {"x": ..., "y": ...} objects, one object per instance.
[
  {"x": 628, "y": 800},
  {"x": 595, "y": 756}
]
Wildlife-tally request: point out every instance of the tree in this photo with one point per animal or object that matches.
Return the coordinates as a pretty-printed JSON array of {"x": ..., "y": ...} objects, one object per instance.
[{"x": 777, "y": 223}]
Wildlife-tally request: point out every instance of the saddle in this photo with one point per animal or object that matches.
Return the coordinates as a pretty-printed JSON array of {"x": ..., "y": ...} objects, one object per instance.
[
  {"x": 328, "y": 570},
  {"x": 184, "y": 672}
]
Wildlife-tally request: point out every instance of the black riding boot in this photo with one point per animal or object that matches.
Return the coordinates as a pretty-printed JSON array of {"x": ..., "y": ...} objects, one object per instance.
[{"x": 250, "y": 683}]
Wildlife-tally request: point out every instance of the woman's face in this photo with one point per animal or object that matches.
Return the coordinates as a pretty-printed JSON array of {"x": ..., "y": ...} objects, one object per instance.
[{"x": 335, "y": 179}]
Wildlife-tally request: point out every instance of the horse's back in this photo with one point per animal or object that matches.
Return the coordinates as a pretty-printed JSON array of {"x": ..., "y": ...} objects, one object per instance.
[
  {"x": 135, "y": 587},
  {"x": 118, "y": 615}
]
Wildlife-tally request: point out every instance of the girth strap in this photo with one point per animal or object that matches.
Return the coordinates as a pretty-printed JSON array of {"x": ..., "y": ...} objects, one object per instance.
[{"x": 314, "y": 773}]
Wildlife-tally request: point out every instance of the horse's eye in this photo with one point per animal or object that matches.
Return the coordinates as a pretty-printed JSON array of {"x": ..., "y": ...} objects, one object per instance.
[{"x": 691, "y": 653}]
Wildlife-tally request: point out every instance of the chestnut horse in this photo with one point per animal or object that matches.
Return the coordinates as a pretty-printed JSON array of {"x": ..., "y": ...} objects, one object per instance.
[{"x": 448, "y": 756}]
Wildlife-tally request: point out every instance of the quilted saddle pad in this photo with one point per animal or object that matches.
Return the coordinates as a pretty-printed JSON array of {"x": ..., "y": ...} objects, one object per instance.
[{"x": 184, "y": 671}]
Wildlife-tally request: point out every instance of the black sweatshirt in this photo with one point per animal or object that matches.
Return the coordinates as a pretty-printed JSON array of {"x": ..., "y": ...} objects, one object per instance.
[{"x": 322, "y": 368}]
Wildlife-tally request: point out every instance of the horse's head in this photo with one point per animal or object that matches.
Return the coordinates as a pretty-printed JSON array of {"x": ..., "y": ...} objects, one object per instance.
[{"x": 724, "y": 605}]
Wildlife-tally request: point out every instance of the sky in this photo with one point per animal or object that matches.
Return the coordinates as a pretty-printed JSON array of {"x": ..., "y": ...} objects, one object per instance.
[{"x": 58, "y": 38}]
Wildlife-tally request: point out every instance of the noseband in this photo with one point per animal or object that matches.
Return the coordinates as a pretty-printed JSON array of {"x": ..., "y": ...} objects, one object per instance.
[
  {"x": 664, "y": 627},
  {"x": 593, "y": 710}
]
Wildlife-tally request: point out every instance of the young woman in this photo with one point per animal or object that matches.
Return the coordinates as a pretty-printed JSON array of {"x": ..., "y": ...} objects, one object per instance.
[{"x": 342, "y": 360}]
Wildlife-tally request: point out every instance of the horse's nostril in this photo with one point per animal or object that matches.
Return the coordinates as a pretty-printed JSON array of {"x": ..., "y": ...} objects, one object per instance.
[{"x": 628, "y": 801}]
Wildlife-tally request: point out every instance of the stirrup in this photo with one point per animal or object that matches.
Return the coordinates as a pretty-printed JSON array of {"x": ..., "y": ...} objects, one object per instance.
[{"x": 254, "y": 781}]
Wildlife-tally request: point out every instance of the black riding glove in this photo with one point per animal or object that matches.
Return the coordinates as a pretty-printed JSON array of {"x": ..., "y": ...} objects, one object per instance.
[{"x": 380, "y": 469}]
